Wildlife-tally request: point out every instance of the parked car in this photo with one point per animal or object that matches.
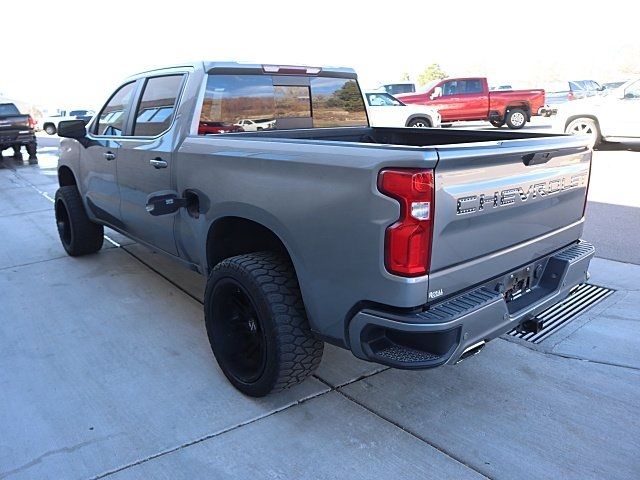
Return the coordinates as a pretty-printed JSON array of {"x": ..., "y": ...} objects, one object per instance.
[
  {"x": 410, "y": 247},
  {"x": 387, "y": 111},
  {"x": 462, "y": 99},
  {"x": 562, "y": 92},
  {"x": 400, "y": 87},
  {"x": 207, "y": 128},
  {"x": 612, "y": 117},
  {"x": 17, "y": 130},
  {"x": 50, "y": 123},
  {"x": 256, "y": 125}
]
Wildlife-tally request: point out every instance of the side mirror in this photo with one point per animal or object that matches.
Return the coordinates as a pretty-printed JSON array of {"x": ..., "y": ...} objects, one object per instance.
[
  {"x": 629, "y": 95},
  {"x": 437, "y": 92},
  {"x": 72, "y": 129},
  {"x": 165, "y": 204}
]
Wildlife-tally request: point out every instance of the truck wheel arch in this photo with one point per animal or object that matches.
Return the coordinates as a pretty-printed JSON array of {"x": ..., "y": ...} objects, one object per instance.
[
  {"x": 230, "y": 236},
  {"x": 524, "y": 106},
  {"x": 66, "y": 178}
]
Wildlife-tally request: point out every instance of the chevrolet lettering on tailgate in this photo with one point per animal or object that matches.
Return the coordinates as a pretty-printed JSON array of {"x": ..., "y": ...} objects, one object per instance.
[{"x": 477, "y": 203}]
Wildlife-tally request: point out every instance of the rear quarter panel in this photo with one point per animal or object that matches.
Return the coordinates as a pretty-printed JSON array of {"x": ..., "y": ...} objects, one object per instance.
[
  {"x": 531, "y": 99},
  {"x": 320, "y": 199}
]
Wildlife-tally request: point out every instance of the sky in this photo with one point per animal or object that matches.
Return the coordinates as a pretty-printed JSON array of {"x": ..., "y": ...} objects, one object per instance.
[{"x": 81, "y": 50}]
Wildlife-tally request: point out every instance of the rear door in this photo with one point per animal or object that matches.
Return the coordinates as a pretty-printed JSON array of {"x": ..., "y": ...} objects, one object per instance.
[
  {"x": 462, "y": 99},
  {"x": 494, "y": 196},
  {"x": 99, "y": 159},
  {"x": 145, "y": 159}
]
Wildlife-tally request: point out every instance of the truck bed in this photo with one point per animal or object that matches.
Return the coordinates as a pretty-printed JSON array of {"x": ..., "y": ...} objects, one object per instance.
[
  {"x": 533, "y": 186},
  {"x": 398, "y": 137}
]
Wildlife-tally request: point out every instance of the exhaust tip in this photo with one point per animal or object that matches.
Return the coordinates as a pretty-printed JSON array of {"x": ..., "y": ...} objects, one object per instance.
[{"x": 472, "y": 350}]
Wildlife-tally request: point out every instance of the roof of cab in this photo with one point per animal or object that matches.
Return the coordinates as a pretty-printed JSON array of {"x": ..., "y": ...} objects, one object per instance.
[{"x": 241, "y": 68}]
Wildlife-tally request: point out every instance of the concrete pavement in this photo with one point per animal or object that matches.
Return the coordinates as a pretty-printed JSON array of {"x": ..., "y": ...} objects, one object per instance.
[{"x": 106, "y": 372}]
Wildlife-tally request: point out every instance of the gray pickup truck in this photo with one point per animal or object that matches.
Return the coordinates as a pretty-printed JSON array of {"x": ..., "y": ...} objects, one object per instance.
[{"x": 410, "y": 247}]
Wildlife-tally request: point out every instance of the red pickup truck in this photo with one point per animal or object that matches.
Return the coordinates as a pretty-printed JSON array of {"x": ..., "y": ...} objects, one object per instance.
[{"x": 459, "y": 99}]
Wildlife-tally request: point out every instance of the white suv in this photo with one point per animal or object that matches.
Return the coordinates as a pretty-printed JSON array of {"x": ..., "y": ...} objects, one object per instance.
[
  {"x": 387, "y": 111},
  {"x": 612, "y": 117}
]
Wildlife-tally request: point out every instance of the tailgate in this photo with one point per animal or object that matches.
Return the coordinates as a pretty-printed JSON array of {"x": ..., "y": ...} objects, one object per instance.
[
  {"x": 502, "y": 204},
  {"x": 11, "y": 125}
]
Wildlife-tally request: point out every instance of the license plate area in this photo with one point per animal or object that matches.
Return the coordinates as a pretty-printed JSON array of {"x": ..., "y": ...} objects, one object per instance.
[{"x": 517, "y": 284}]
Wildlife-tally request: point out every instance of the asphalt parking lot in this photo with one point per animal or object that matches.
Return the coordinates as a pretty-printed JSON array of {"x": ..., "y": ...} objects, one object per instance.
[{"x": 106, "y": 371}]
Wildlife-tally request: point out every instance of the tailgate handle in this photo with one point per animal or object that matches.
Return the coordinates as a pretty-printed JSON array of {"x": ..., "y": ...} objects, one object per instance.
[{"x": 538, "y": 157}]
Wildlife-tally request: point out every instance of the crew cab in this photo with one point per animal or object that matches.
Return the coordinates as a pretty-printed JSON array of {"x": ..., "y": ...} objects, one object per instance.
[
  {"x": 17, "y": 130},
  {"x": 410, "y": 247},
  {"x": 387, "y": 111},
  {"x": 466, "y": 99}
]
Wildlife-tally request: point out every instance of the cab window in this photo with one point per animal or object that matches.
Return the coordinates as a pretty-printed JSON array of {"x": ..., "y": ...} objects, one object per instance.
[
  {"x": 111, "y": 119},
  {"x": 157, "y": 105},
  {"x": 253, "y": 103}
]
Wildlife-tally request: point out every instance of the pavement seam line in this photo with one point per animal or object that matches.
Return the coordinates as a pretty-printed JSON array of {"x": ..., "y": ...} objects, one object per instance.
[
  {"x": 413, "y": 434},
  {"x": 32, "y": 263},
  {"x": 329, "y": 389},
  {"x": 24, "y": 213},
  {"x": 210, "y": 436},
  {"x": 545, "y": 351}
]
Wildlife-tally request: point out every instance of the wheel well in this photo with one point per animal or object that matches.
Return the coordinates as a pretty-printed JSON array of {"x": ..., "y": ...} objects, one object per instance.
[
  {"x": 231, "y": 236},
  {"x": 414, "y": 117},
  {"x": 48, "y": 123},
  {"x": 575, "y": 117},
  {"x": 66, "y": 177},
  {"x": 524, "y": 106}
]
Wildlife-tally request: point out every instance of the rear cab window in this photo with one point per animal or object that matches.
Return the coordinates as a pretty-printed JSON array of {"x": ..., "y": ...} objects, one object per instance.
[
  {"x": 8, "y": 109},
  {"x": 264, "y": 102},
  {"x": 157, "y": 105}
]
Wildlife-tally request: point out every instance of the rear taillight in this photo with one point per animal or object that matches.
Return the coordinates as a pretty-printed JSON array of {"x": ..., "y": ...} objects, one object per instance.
[
  {"x": 408, "y": 241},
  {"x": 570, "y": 96},
  {"x": 32, "y": 122}
]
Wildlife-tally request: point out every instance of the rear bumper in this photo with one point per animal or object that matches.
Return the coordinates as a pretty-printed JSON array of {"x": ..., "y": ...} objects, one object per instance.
[
  {"x": 450, "y": 330},
  {"x": 10, "y": 138}
]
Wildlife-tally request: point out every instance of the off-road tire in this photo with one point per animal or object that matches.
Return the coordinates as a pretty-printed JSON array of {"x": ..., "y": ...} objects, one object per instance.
[
  {"x": 516, "y": 118},
  {"x": 291, "y": 352},
  {"x": 50, "y": 129},
  {"x": 78, "y": 234}
]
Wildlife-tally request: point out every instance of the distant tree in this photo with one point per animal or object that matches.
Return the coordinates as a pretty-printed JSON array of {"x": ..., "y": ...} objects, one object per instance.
[
  {"x": 432, "y": 72},
  {"x": 347, "y": 97},
  {"x": 405, "y": 77}
]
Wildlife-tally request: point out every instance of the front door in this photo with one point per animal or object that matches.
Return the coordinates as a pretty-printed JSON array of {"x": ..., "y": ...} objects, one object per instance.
[
  {"x": 145, "y": 162},
  {"x": 99, "y": 157}
]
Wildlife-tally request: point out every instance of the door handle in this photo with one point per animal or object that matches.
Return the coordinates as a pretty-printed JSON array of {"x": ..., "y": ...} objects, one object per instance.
[
  {"x": 109, "y": 156},
  {"x": 158, "y": 163}
]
